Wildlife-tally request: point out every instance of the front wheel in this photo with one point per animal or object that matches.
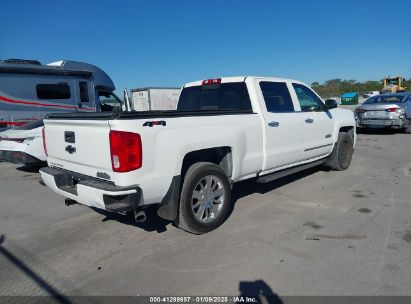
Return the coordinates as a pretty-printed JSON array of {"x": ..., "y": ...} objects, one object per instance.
[
  {"x": 340, "y": 158},
  {"x": 205, "y": 198}
]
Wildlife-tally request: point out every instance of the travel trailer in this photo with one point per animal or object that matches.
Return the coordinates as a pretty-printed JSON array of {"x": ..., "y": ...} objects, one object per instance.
[{"x": 29, "y": 90}]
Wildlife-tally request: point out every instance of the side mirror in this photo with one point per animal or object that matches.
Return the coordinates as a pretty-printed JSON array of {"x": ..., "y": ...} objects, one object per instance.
[{"x": 331, "y": 104}]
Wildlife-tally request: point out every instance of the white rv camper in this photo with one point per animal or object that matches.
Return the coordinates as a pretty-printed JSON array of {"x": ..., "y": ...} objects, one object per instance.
[{"x": 30, "y": 90}]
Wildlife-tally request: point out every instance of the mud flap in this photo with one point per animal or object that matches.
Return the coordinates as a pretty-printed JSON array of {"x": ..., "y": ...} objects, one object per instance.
[{"x": 168, "y": 209}]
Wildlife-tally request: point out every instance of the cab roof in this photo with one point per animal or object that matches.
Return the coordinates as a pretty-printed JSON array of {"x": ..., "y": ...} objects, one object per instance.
[{"x": 240, "y": 79}]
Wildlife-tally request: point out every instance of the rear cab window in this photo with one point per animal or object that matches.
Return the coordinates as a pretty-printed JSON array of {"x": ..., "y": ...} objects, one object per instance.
[{"x": 217, "y": 96}]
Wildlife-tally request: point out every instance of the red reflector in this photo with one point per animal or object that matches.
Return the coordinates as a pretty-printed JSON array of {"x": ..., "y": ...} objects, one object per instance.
[
  {"x": 211, "y": 81},
  {"x": 43, "y": 134},
  {"x": 391, "y": 109},
  {"x": 126, "y": 151}
]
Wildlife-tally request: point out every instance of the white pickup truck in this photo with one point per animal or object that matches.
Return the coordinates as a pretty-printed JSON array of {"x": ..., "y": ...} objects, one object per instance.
[{"x": 185, "y": 161}]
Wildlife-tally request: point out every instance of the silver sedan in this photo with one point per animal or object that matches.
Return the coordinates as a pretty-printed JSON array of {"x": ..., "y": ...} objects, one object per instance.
[{"x": 385, "y": 111}]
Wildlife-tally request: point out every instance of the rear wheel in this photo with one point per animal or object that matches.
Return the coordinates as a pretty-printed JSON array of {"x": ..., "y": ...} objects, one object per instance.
[
  {"x": 340, "y": 158},
  {"x": 205, "y": 198}
]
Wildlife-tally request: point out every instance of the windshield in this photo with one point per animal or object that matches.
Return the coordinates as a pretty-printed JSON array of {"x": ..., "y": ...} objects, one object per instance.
[
  {"x": 108, "y": 101},
  {"x": 386, "y": 99},
  {"x": 393, "y": 81}
]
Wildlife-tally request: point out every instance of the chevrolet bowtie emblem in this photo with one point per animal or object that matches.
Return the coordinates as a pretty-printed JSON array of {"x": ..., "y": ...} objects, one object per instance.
[{"x": 70, "y": 149}]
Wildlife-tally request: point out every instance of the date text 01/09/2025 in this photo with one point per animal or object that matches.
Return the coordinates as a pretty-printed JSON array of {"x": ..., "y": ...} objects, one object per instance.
[{"x": 203, "y": 299}]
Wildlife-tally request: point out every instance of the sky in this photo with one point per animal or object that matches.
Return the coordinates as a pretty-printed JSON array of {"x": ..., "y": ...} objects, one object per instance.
[{"x": 168, "y": 43}]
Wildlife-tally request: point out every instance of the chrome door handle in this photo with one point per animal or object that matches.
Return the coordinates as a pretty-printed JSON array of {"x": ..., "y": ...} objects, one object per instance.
[
  {"x": 273, "y": 124},
  {"x": 309, "y": 120}
]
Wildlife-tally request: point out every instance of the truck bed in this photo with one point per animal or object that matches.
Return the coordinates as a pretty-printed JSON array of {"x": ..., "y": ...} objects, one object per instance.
[{"x": 142, "y": 114}]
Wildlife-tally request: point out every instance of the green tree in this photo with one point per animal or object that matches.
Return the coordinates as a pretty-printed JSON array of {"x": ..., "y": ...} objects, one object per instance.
[
  {"x": 337, "y": 86},
  {"x": 315, "y": 85}
]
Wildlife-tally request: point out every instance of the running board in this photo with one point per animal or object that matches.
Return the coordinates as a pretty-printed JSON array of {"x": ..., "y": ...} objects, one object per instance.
[{"x": 273, "y": 176}]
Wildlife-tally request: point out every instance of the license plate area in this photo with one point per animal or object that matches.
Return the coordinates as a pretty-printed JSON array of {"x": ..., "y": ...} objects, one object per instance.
[
  {"x": 67, "y": 182},
  {"x": 372, "y": 114},
  {"x": 377, "y": 122}
]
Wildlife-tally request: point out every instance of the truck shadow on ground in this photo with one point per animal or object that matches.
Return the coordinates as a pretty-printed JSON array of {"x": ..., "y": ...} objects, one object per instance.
[
  {"x": 257, "y": 292},
  {"x": 240, "y": 189},
  {"x": 248, "y": 187},
  {"x": 153, "y": 222},
  {"x": 30, "y": 168}
]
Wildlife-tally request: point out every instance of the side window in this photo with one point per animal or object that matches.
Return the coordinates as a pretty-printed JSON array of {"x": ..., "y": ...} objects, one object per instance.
[
  {"x": 308, "y": 100},
  {"x": 53, "y": 91},
  {"x": 83, "y": 91},
  {"x": 277, "y": 97},
  {"x": 234, "y": 96}
]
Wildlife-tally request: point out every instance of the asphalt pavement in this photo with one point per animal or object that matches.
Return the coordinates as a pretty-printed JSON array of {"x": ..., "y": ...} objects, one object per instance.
[{"x": 318, "y": 232}]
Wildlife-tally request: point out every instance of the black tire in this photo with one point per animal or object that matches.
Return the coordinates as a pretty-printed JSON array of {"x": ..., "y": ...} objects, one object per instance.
[
  {"x": 196, "y": 174},
  {"x": 340, "y": 158},
  {"x": 361, "y": 130}
]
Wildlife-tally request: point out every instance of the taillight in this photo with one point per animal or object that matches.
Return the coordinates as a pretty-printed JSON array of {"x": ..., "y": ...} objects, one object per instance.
[
  {"x": 43, "y": 134},
  {"x": 360, "y": 111},
  {"x": 126, "y": 151},
  {"x": 211, "y": 81},
  {"x": 391, "y": 110}
]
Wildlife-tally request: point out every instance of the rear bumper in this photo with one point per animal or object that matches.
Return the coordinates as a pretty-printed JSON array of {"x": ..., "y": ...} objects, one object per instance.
[
  {"x": 399, "y": 123},
  {"x": 18, "y": 157},
  {"x": 91, "y": 192}
]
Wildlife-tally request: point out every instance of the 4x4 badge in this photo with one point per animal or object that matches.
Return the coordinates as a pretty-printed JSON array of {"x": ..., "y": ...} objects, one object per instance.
[{"x": 154, "y": 123}]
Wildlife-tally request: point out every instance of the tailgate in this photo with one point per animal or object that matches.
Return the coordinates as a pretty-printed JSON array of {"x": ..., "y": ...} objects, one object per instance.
[{"x": 81, "y": 146}]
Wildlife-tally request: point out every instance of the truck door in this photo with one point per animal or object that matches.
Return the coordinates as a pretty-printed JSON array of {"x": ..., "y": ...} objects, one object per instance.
[
  {"x": 284, "y": 127},
  {"x": 85, "y": 96},
  {"x": 318, "y": 122}
]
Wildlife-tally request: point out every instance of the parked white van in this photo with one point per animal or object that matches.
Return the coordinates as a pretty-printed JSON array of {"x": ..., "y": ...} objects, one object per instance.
[{"x": 371, "y": 94}]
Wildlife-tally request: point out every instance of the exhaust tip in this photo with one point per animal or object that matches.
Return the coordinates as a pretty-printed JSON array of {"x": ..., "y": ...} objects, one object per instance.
[
  {"x": 69, "y": 202},
  {"x": 140, "y": 216}
]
